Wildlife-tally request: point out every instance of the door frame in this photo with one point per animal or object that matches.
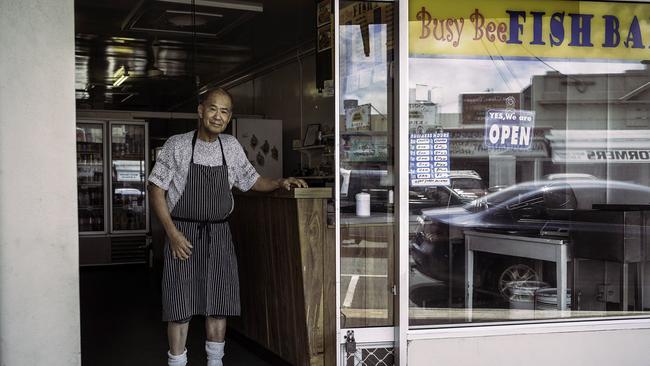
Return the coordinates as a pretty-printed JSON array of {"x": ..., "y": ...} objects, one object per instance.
[{"x": 394, "y": 336}]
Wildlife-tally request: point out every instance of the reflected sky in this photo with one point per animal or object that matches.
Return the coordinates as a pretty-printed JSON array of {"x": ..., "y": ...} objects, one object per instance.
[
  {"x": 447, "y": 78},
  {"x": 364, "y": 71}
]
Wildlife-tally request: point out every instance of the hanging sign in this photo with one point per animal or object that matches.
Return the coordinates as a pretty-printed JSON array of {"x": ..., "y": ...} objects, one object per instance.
[
  {"x": 429, "y": 159},
  {"x": 474, "y": 105},
  {"x": 422, "y": 117},
  {"x": 509, "y": 129},
  {"x": 358, "y": 118},
  {"x": 530, "y": 29}
]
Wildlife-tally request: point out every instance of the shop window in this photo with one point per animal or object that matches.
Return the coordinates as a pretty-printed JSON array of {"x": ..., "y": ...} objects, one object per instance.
[
  {"x": 529, "y": 136},
  {"x": 367, "y": 162}
]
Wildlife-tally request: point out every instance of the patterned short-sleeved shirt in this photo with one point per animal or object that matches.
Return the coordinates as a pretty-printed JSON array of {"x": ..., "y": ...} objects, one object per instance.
[{"x": 173, "y": 163}]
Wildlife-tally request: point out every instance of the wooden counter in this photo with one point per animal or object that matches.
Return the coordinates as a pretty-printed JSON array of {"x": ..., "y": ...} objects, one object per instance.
[{"x": 280, "y": 239}]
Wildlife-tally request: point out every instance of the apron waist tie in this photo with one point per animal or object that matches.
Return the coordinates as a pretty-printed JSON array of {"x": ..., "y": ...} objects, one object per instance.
[{"x": 204, "y": 225}]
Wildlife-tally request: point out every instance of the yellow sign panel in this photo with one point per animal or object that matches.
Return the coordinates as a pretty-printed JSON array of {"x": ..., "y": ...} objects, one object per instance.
[{"x": 530, "y": 29}]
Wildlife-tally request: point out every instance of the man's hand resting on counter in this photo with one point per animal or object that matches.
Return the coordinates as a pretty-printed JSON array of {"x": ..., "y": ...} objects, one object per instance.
[{"x": 264, "y": 184}]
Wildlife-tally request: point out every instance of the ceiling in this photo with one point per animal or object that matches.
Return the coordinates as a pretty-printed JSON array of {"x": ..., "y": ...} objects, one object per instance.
[{"x": 163, "y": 43}]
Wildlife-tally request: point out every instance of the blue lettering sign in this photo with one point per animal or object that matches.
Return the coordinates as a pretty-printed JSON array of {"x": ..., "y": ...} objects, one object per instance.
[
  {"x": 581, "y": 30},
  {"x": 508, "y": 129},
  {"x": 557, "y": 29},
  {"x": 612, "y": 36}
]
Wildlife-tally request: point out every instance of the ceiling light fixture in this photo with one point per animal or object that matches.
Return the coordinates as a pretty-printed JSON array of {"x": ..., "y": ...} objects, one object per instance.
[
  {"x": 197, "y": 13},
  {"x": 120, "y": 76},
  {"x": 223, "y": 4}
]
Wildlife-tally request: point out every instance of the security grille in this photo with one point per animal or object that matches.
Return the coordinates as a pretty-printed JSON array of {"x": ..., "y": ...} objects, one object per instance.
[{"x": 380, "y": 356}]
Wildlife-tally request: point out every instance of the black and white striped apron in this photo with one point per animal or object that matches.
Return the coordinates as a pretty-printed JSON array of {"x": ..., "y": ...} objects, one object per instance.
[{"x": 207, "y": 283}]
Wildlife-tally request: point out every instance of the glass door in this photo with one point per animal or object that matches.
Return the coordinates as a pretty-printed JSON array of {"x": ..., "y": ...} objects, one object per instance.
[
  {"x": 128, "y": 177},
  {"x": 90, "y": 177},
  {"x": 366, "y": 175}
]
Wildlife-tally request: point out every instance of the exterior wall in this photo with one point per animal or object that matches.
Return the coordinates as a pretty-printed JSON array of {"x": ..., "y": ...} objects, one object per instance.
[
  {"x": 620, "y": 347},
  {"x": 590, "y": 102},
  {"x": 39, "y": 266}
]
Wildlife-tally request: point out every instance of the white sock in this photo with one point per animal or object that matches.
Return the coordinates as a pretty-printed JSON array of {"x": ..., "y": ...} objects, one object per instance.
[
  {"x": 178, "y": 360},
  {"x": 215, "y": 352}
]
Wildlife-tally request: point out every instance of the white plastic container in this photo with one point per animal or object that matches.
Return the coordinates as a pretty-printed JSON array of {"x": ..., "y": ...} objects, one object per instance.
[{"x": 363, "y": 204}]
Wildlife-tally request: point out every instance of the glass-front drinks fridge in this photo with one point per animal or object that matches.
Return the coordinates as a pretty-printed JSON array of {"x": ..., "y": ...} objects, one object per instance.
[{"x": 112, "y": 164}]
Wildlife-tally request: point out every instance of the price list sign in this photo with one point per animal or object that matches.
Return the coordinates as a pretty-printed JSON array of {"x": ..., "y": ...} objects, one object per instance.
[{"x": 429, "y": 159}]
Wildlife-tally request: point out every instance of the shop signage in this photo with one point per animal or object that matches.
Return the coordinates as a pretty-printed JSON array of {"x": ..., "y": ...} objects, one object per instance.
[
  {"x": 429, "y": 159},
  {"x": 422, "y": 117},
  {"x": 477, "y": 149},
  {"x": 473, "y": 106},
  {"x": 603, "y": 156},
  {"x": 358, "y": 118},
  {"x": 530, "y": 29},
  {"x": 509, "y": 129},
  {"x": 129, "y": 176}
]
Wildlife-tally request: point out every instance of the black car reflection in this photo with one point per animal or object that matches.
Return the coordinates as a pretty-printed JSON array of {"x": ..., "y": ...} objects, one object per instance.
[{"x": 545, "y": 208}]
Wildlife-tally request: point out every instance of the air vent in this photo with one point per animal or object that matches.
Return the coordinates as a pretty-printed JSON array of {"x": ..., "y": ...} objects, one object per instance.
[
  {"x": 129, "y": 250},
  {"x": 212, "y": 18}
]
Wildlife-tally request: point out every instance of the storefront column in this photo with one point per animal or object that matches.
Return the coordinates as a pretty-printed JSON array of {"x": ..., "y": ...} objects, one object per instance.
[
  {"x": 39, "y": 270},
  {"x": 503, "y": 169},
  {"x": 538, "y": 169}
]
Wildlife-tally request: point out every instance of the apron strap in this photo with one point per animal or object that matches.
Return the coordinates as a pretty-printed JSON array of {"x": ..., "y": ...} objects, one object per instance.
[
  {"x": 223, "y": 156},
  {"x": 193, "y": 145}
]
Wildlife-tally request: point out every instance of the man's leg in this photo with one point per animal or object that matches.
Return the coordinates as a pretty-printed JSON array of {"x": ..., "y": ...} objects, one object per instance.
[
  {"x": 177, "y": 337},
  {"x": 215, "y": 330}
]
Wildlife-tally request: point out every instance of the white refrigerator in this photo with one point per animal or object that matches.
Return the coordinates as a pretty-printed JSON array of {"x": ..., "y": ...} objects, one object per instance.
[{"x": 262, "y": 143}]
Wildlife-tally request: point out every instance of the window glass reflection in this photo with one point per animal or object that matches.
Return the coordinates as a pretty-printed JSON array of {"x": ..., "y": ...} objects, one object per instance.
[
  {"x": 366, "y": 164},
  {"x": 556, "y": 229}
]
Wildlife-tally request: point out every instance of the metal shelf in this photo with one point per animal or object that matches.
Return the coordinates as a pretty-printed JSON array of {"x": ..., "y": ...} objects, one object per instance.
[
  {"x": 364, "y": 133},
  {"x": 314, "y": 147}
]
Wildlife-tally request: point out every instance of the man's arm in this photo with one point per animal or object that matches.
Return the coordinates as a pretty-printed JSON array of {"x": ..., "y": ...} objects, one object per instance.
[
  {"x": 264, "y": 184},
  {"x": 179, "y": 245}
]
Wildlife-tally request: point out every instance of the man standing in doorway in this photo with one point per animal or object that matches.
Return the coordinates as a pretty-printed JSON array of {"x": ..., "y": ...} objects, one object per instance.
[{"x": 190, "y": 192}]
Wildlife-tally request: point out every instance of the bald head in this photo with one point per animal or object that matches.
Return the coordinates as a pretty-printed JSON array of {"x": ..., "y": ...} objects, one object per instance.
[{"x": 213, "y": 92}]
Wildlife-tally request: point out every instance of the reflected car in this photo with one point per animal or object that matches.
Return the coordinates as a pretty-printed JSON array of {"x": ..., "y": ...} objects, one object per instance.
[
  {"x": 465, "y": 186},
  {"x": 544, "y": 208},
  {"x": 467, "y": 183},
  {"x": 571, "y": 176}
]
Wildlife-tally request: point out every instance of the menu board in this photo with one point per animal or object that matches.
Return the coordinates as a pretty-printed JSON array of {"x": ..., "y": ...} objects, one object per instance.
[{"x": 429, "y": 159}]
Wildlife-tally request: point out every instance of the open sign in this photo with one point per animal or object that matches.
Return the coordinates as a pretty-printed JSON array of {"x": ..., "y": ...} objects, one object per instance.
[{"x": 508, "y": 129}]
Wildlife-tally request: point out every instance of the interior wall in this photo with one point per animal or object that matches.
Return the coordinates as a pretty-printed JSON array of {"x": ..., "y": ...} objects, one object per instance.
[
  {"x": 289, "y": 94},
  {"x": 621, "y": 347},
  {"x": 39, "y": 258}
]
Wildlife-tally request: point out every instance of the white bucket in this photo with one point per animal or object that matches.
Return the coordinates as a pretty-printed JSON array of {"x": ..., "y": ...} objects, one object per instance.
[{"x": 363, "y": 204}]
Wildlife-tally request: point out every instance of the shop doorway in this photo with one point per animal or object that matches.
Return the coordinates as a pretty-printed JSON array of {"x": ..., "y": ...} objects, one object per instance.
[{"x": 139, "y": 68}]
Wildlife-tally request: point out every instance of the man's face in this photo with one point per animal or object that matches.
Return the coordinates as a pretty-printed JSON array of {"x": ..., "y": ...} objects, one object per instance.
[{"x": 215, "y": 113}]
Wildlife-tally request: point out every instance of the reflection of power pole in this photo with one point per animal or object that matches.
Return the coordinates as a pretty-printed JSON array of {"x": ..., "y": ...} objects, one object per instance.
[
  {"x": 365, "y": 36},
  {"x": 375, "y": 19}
]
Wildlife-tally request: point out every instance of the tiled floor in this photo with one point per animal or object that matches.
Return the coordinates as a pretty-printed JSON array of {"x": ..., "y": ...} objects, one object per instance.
[{"x": 120, "y": 323}]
